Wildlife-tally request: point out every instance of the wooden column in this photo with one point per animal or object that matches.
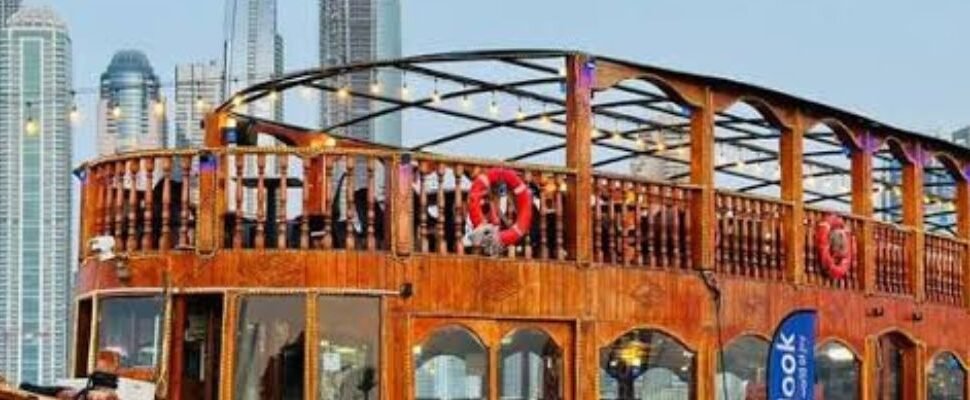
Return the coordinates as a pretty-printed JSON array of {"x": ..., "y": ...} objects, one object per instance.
[
  {"x": 402, "y": 218},
  {"x": 579, "y": 126},
  {"x": 963, "y": 231},
  {"x": 209, "y": 231},
  {"x": 702, "y": 175},
  {"x": 867, "y": 379},
  {"x": 913, "y": 219},
  {"x": 90, "y": 203},
  {"x": 792, "y": 191},
  {"x": 862, "y": 206}
]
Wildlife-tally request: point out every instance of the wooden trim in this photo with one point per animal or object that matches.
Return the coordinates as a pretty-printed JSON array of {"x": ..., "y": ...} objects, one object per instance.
[
  {"x": 791, "y": 149},
  {"x": 702, "y": 151},
  {"x": 913, "y": 218},
  {"x": 579, "y": 126}
]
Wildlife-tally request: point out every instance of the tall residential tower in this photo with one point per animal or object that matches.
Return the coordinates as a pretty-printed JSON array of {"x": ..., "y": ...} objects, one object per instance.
[
  {"x": 35, "y": 195},
  {"x": 131, "y": 111},
  {"x": 8, "y": 8},
  {"x": 359, "y": 31},
  {"x": 254, "y": 51}
]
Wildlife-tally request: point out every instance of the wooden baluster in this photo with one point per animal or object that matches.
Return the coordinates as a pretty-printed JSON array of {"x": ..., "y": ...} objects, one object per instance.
[
  {"x": 131, "y": 240},
  {"x": 283, "y": 164},
  {"x": 614, "y": 200},
  {"x": 101, "y": 177},
  {"x": 684, "y": 207},
  {"x": 720, "y": 242},
  {"x": 544, "y": 191},
  {"x": 306, "y": 163},
  {"x": 148, "y": 238},
  {"x": 421, "y": 217},
  {"x": 660, "y": 226},
  {"x": 459, "y": 210},
  {"x": 351, "y": 204},
  {"x": 184, "y": 211},
  {"x": 561, "y": 218},
  {"x": 261, "y": 201},
  {"x": 329, "y": 218},
  {"x": 237, "y": 238},
  {"x": 638, "y": 198},
  {"x": 165, "y": 240},
  {"x": 527, "y": 238},
  {"x": 672, "y": 197},
  {"x": 371, "y": 203},
  {"x": 440, "y": 204},
  {"x": 732, "y": 234},
  {"x": 749, "y": 234},
  {"x": 652, "y": 217},
  {"x": 736, "y": 222},
  {"x": 598, "y": 221}
]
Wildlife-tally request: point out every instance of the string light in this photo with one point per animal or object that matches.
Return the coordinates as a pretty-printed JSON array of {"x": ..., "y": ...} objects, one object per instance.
[
  {"x": 305, "y": 92},
  {"x": 375, "y": 86},
  {"x": 30, "y": 126},
  {"x": 641, "y": 144},
  {"x": 493, "y": 106},
  {"x": 545, "y": 116},
  {"x": 405, "y": 92},
  {"x": 116, "y": 111},
  {"x": 159, "y": 107},
  {"x": 562, "y": 71},
  {"x": 74, "y": 115},
  {"x": 237, "y": 101},
  {"x": 519, "y": 114},
  {"x": 274, "y": 96},
  {"x": 343, "y": 93},
  {"x": 435, "y": 95}
]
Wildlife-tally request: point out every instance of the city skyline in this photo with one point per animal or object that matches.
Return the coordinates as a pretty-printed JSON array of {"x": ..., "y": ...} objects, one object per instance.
[
  {"x": 35, "y": 195},
  {"x": 131, "y": 110}
]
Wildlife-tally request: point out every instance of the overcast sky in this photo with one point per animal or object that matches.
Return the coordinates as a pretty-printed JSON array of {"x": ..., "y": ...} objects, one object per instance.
[{"x": 903, "y": 62}]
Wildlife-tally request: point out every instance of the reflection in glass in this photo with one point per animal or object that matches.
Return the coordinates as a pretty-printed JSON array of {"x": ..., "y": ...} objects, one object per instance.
[
  {"x": 348, "y": 348},
  {"x": 531, "y": 367},
  {"x": 452, "y": 364},
  {"x": 270, "y": 348},
  {"x": 889, "y": 365},
  {"x": 741, "y": 375},
  {"x": 646, "y": 364},
  {"x": 837, "y": 372},
  {"x": 946, "y": 378},
  {"x": 130, "y": 329}
]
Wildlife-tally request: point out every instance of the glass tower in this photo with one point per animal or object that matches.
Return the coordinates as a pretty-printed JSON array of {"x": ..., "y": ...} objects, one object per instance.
[
  {"x": 198, "y": 87},
  {"x": 35, "y": 195},
  {"x": 131, "y": 111},
  {"x": 354, "y": 31},
  {"x": 254, "y": 51}
]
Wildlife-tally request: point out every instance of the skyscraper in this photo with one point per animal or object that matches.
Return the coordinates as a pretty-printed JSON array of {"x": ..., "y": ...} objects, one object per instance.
[
  {"x": 131, "y": 111},
  {"x": 961, "y": 137},
  {"x": 198, "y": 87},
  {"x": 35, "y": 195},
  {"x": 254, "y": 51},
  {"x": 359, "y": 31},
  {"x": 8, "y": 8}
]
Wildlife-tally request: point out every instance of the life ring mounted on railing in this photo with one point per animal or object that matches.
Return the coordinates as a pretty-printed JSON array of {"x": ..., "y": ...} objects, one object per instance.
[
  {"x": 836, "y": 246},
  {"x": 480, "y": 189}
]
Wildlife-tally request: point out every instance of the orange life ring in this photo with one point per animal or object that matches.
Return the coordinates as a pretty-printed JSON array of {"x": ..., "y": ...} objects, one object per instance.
[
  {"x": 829, "y": 233},
  {"x": 523, "y": 203}
]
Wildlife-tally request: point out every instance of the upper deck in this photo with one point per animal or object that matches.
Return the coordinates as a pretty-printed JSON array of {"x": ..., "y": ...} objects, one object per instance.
[{"x": 730, "y": 178}]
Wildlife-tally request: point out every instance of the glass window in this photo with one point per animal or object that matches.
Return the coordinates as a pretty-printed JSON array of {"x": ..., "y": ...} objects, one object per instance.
[
  {"x": 837, "y": 372},
  {"x": 270, "y": 347},
  {"x": 130, "y": 330},
  {"x": 531, "y": 366},
  {"x": 889, "y": 365},
  {"x": 741, "y": 373},
  {"x": 946, "y": 378},
  {"x": 349, "y": 347},
  {"x": 646, "y": 364},
  {"x": 451, "y": 364}
]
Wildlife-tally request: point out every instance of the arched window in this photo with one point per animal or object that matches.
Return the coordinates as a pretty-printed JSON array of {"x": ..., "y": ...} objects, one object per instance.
[
  {"x": 741, "y": 372},
  {"x": 645, "y": 363},
  {"x": 837, "y": 372},
  {"x": 895, "y": 363},
  {"x": 451, "y": 364},
  {"x": 947, "y": 378},
  {"x": 530, "y": 366}
]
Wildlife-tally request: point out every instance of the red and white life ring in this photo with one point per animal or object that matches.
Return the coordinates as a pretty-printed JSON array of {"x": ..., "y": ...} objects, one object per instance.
[
  {"x": 523, "y": 203},
  {"x": 836, "y": 246}
]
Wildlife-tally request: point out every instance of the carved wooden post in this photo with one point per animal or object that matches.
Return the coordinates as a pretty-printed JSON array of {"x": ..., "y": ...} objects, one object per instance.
[
  {"x": 209, "y": 227},
  {"x": 90, "y": 203},
  {"x": 579, "y": 113},
  {"x": 702, "y": 175},
  {"x": 402, "y": 221},
  {"x": 862, "y": 207},
  {"x": 792, "y": 148},
  {"x": 963, "y": 230},
  {"x": 913, "y": 217}
]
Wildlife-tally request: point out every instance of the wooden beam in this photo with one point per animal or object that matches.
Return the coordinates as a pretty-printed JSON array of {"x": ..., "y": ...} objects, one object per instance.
[
  {"x": 792, "y": 149},
  {"x": 913, "y": 219},
  {"x": 862, "y": 207},
  {"x": 579, "y": 113},
  {"x": 402, "y": 205},
  {"x": 702, "y": 175},
  {"x": 963, "y": 232}
]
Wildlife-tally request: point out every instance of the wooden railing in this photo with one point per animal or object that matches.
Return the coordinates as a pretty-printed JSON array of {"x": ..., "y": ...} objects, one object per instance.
[
  {"x": 893, "y": 246},
  {"x": 279, "y": 198},
  {"x": 146, "y": 202},
  {"x": 750, "y": 236},
  {"x": 944, "y": 263},
  {"x": 815, "y": 272},
  {"x": 641, "y": 223},
  {"x": 440, "y": 207}
]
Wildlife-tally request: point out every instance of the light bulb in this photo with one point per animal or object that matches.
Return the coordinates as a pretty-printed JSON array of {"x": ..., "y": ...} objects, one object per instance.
[
  {"x": 159, "y": 108},
  {"x": 546, "y": 120},
  {"x": 375, "y": 87},
  {"x": 466, "y": 102},
  {"x": 493, "y": 108},
  {"x": 519, "y": 115},
  {"x": 274, "y": 96},
  {"x": 116, "y": 111},
  {"x": 30, "y": 126},
  {"x": 75, "y": 115},
  {"x": 237, "y": 101},
  {"x": 343, "y": 93},
  {"x": 405, "y": 92},
  {"x": 436, "y": 97}
]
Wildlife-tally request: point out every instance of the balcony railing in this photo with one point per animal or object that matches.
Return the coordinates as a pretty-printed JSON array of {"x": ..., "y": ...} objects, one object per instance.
[
  {"x": 750, "y": 236},
  {"x": 377, "y": 200}
]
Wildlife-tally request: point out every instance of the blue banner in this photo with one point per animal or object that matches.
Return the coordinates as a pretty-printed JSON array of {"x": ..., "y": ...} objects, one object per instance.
[{"x": 791, "y": 358}]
